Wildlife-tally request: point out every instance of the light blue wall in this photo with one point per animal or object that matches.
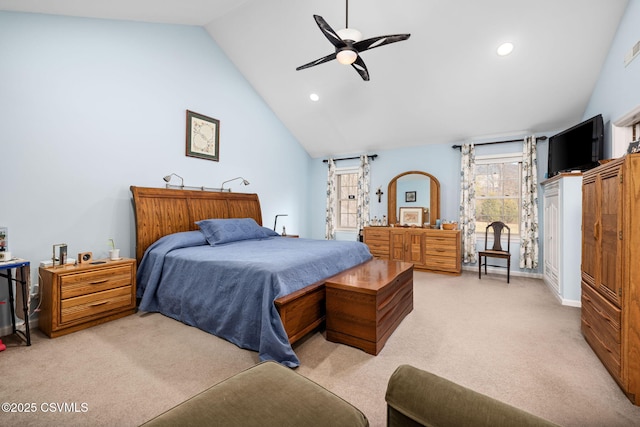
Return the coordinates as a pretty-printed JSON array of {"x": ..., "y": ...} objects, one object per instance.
[
  {"x": 618, "y": 88},
  {"x": 89, "y": 107}
]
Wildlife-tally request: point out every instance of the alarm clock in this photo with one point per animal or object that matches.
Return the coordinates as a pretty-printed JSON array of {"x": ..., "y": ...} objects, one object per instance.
[{"x": 85, "y": 257}]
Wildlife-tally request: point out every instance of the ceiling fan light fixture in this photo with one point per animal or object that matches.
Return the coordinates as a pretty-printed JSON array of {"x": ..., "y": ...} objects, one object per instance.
[{"x": 347, "y": 56}]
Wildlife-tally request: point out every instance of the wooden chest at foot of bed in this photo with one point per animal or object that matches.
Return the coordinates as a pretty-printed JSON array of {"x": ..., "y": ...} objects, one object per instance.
[{"x": 365, "y": 304}]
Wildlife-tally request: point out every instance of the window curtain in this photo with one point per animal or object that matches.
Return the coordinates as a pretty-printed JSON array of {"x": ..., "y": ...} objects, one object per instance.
[
  {"x": 330, "y": 225},
  {"x": 468, "y": 204},
  {"x": 529, "y": 218},
  {"x": 362, "y": 197}
]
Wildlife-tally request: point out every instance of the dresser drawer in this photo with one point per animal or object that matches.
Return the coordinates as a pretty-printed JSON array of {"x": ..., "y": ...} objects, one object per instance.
[
  {"x": 441, "y": 250},
  {"x": 88, "y": 282},
  {"x": 94, "y": 304},
  {"x": 601, "y": 328},
  {"x": 381, "y": 234},
  {"x": 442, "y": 263},
  {"x": 442, "y": 239},
  {"x": 378, "y": 249}
]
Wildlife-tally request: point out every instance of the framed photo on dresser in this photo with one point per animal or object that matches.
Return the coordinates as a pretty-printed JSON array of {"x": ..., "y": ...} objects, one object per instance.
[{"x": 411, "y": 216}]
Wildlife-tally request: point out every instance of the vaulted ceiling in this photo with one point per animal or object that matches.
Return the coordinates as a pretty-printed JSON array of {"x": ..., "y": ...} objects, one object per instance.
[{"x": 446, "y": 84}]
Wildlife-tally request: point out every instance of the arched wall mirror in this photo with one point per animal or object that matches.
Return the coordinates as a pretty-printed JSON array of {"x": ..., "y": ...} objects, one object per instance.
[{"x": 414, "y": 189}]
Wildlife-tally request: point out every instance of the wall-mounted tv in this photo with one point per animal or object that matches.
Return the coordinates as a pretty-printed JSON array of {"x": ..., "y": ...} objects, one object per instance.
[{"x": 577, "y": 148}]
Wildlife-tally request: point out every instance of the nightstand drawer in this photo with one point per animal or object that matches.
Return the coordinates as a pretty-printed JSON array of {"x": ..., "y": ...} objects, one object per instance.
[
  {"x": 94, "y": 304},
  {"x": 94, "y": 281}
]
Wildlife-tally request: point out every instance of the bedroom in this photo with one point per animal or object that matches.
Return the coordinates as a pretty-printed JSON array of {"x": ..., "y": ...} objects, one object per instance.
[{"x": 90, "y": 107}]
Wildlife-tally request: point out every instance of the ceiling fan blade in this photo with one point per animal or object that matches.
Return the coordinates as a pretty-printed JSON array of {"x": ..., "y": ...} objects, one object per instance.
[
  {"x": 374, "y": 42},
  {"x": 361, "y": 68},
  {"x": 318, "y": 61},
  {"x": 328, "y": 32}
]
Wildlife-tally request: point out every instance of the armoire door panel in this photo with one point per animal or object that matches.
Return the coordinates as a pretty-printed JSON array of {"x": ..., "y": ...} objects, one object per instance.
[
  {"x": 610, "y": 245},
  {"x": 589, "y": 231}
]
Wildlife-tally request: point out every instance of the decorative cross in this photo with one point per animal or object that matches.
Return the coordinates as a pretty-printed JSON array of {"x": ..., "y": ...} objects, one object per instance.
[{"x": 379, "y": 193}]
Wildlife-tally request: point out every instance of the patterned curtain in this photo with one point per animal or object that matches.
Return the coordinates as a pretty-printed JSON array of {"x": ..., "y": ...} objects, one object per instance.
[
  {"x": 330, "y": 226},
  {"x": 529, "y": 218},
  {"x": 363, "y": 193},
  {"x": 468, "y": 204}
]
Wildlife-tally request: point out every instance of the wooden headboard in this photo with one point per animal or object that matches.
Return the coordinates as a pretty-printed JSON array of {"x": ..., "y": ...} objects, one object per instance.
[{"x": 161, "y": 211}]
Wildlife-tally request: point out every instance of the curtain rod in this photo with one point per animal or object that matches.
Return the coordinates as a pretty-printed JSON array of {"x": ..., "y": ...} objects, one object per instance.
[
  {"x": 371, "y": 156},
  {"x": 540, "y": 138}
]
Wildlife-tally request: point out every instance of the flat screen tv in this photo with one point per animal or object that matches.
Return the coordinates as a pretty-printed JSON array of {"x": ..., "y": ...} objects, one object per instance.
[{"x": 577, "y": 148}]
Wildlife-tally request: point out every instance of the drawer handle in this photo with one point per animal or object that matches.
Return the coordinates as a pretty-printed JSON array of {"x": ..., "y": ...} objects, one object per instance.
[
  {"x": 98, "y": 282},
  {"x": 99, "y": 303}
]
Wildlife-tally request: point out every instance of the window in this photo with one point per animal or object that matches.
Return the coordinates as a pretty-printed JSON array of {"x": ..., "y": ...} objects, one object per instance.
[
  {"x": 498, "y": 191},
  {"x": 347, "y": 199}
]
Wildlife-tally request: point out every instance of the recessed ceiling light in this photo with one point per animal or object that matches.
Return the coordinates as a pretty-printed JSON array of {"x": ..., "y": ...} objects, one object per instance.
[
  {"x": 505, "y": 49},
  {"x": 314, "y": 97}
]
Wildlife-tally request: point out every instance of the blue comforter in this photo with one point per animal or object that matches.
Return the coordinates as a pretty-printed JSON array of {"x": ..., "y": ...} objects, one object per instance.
[{"x": 229, "y": 290}]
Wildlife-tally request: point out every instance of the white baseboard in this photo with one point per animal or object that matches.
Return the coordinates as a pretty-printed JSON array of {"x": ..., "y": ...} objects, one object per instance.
[
  {"x": 570, "y": 302},
  {"x": 503, "y": 271}
]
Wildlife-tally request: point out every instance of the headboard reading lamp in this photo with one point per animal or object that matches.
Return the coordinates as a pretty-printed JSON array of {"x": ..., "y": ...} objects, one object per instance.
[{"x": 167, "y": 179}]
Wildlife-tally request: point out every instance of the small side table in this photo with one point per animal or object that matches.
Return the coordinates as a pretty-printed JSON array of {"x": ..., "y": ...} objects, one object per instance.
[{"x": 25, "y": 271}]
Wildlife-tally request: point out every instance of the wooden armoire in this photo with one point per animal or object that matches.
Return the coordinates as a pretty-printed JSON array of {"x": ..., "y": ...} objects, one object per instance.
[{"x": 611, "y": 268}]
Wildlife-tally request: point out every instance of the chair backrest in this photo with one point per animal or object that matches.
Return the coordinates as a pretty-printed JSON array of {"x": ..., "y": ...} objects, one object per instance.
[{"x": 497, "y": 228}]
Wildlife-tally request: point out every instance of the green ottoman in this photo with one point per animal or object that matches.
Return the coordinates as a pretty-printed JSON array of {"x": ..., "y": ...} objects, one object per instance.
[{"x": 267, "y": 394}]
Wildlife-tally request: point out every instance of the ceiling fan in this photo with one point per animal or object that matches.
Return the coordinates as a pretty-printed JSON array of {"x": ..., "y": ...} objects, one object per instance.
[{"x": 349, "y": 45}]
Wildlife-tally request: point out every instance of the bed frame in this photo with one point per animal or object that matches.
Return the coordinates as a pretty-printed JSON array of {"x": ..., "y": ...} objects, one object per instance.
[{"x": 160, "y": 211}]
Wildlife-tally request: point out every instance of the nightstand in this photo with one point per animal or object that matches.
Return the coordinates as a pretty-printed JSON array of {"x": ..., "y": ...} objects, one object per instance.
[{"x": 78, "y": 297}]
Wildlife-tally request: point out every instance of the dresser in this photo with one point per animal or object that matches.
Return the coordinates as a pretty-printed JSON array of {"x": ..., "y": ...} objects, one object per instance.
[
  {"x": 562, "y": 198},
  {"x": 428, "y": 249},
  {"x": 77, "y": 297},
  {"x": 611, "y": 269}
]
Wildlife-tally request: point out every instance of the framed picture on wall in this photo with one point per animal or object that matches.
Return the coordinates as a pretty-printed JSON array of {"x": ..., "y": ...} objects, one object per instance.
[
  {"x": 411, "y": 216},
  {"x": 409, "y": 196},
  {"x": 634, "y": 147},
  {"x": 203, "y": 136}
]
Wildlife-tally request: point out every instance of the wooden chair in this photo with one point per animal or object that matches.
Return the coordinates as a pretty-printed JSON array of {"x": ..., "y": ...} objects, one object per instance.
[{"x": 496, "y": 251}]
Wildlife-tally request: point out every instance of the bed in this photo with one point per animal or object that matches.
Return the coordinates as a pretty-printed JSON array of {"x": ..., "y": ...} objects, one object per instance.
[{"x": 263, "y": 293}]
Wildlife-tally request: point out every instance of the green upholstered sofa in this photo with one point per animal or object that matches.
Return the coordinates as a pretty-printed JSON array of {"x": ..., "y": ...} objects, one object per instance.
[
  {"x": 269, "y": 394},
  {"x": 419, "y": 398}
]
